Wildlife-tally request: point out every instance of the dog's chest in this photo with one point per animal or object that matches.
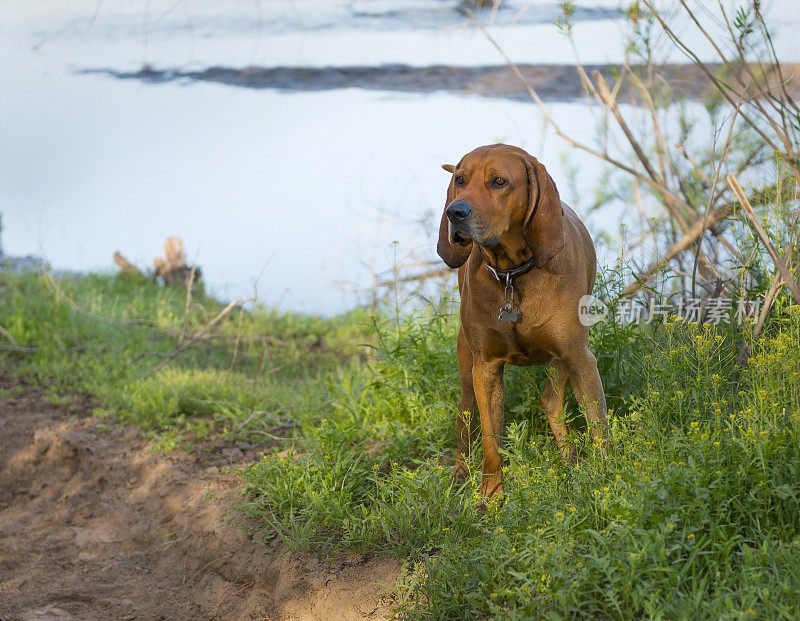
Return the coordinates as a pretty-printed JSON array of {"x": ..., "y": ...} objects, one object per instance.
[{"x": 522, "y": 341}]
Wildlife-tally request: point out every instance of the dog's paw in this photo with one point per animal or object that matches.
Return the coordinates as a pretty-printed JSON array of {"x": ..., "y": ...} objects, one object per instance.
[{"x": 491, "y": 492}]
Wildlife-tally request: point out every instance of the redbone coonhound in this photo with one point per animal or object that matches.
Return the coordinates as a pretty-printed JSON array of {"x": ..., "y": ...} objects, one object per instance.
[{"x": 524, "y": 261}]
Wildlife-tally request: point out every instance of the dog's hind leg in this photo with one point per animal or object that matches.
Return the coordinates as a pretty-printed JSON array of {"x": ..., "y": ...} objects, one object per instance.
[
  {"x": 467, "y": 416},
  {"x": 553, "y": 404},
  {"x": 588, "y": 389}
]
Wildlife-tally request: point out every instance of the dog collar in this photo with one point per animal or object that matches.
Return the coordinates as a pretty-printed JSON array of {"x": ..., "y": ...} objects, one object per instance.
[
  {"x": 508, "y": 314},
  {"x": 504, "y": 277}
]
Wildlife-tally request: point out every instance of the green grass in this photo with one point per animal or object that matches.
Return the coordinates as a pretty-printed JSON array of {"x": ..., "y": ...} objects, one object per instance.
[
  {"x": 106, "y": 336},
  {"x": 694, "y": 514}
]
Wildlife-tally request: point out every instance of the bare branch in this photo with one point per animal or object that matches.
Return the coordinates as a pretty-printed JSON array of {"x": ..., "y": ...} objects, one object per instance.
[
  {"x": 769, "y": 298},
  {"x": 712, "y": 191},
  {"x": 762, "y": 236},
  {"x": 697, "y": 229},
  {"x": 202, "y": 335}
]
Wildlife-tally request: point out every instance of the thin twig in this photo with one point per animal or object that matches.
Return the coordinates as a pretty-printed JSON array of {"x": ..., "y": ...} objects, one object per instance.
[
  {"x": 238, "y": 340},
  {"x": 669, "y": 197},
  {"x": 268, "y": 435},
  {"x": 769, "y": 297},
  {"x": 697, "y": 229},
  {"x": 21, "y": 350},
  {"x": 33, "y": 350},
  {"x": 185, "y": 322},
  {"x": 433, "y": 273},
  {"x": 7, "y": 334},
  {"x": 203, "y": 334},
  {"x": 764, "y": 238},
  {"x": 712, "y": 191},
  {"x": 726, "y": 90}
]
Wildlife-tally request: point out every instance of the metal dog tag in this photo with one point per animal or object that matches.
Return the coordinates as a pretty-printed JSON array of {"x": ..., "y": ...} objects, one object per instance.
[{"x": 508, "y": 314}]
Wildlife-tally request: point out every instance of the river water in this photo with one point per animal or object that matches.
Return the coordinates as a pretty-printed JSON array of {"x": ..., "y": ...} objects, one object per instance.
[{"x": 304, "y": 195}]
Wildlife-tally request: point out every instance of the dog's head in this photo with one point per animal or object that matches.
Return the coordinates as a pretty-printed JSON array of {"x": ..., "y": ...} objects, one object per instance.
[{"x": 500, "y": 195}]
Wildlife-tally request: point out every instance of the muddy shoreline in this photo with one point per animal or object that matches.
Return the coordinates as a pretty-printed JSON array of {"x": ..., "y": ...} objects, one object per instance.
[{"x": 551, "y": 82}]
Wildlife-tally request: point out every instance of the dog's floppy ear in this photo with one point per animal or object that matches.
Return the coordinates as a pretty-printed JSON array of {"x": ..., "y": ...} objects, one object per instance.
[
  {"x": 542, "y": 229},
  {"x": 452, "y": 254}
]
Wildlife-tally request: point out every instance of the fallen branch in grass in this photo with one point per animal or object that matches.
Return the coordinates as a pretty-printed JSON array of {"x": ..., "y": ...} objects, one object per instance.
[
  {"x": 214, "y": 337},
  {"x": 22, "y": 350},
  {"x": 284, "y": 426},
  {"x": 15, "y": 347},
  {"x": 255, "y": 415},
  {"x": 268, "y": 340},
  {"x": 287, "y": 423},
  {"x": 269, "y": 435},
  {"x": 150, "y": 324},
  {"x": 204, "y": 334},
  {"x": 33, "y": 350}
]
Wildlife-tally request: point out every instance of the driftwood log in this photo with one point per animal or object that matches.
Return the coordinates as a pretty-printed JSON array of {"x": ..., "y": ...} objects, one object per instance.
[
  {"x": 172, "y": 268},
  {"x": 125, "y": 266}
]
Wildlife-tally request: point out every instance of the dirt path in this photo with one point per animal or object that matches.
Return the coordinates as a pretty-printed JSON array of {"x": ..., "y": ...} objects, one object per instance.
[{"x": 93, "y": 526}]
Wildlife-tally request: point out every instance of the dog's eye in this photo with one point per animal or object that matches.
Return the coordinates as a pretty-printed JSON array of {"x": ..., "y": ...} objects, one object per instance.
[
  {"x": 459, "y": 180},
  {"x": 498, "y": 182}
]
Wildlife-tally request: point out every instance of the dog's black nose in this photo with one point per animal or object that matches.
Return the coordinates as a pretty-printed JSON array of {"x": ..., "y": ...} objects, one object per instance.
[{"x": 458, "y": 210}]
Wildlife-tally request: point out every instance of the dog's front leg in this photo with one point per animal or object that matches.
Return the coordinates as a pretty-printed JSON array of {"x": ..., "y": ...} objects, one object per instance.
[
  {"x": 487, "y": 379},
  {"x": 467, "y": 416}
]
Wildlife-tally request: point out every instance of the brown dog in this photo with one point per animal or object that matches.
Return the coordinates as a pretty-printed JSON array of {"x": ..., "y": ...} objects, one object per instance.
[{"x": 524, "y": 262}]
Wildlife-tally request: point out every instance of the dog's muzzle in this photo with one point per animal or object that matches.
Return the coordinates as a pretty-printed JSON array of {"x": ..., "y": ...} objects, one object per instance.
[{"x": 458, "y": 213}]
